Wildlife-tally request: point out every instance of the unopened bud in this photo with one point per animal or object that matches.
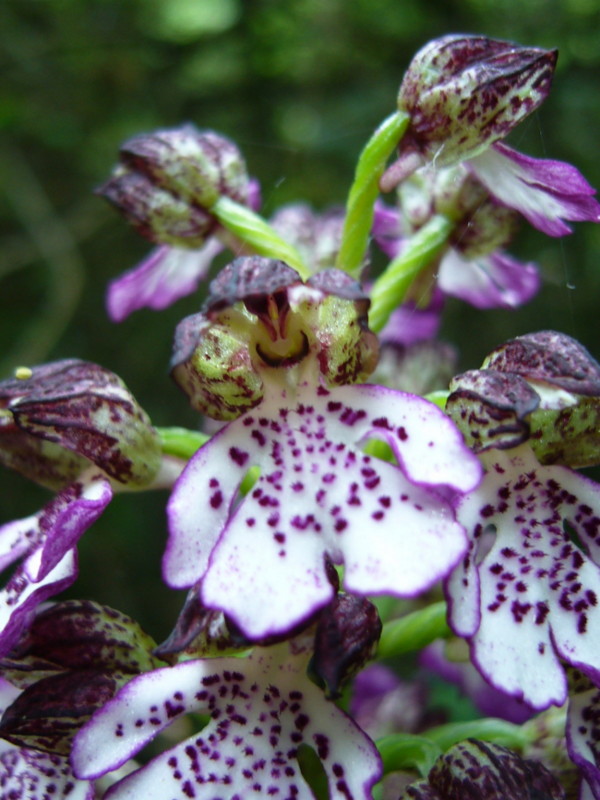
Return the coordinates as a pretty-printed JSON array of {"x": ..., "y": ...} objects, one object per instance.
[
  {"x": 167, "y": 182},
  {"x": 70, "y": 414},
  {"x": 465, "y": 92}
]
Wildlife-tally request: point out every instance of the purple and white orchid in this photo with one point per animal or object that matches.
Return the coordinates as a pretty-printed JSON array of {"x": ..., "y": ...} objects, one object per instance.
[
  {"x": 262, "y": 710},
  {"x": 526, "y": 594},
  {"x": 317, "y": 491}
]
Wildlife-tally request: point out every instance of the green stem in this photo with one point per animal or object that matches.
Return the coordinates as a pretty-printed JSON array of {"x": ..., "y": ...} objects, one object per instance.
[
  {"x": 255, "y": 232},
  {"x": 364, "y": 190},
  {"x": 488, "y": 730},
  {"x": 439, "y": 397},
  {"x": 404, "y": 751},
  {"x": 414, "y": 631},
  {"x": 389, "y": 290},
  {"x": 181, "y": 442}
]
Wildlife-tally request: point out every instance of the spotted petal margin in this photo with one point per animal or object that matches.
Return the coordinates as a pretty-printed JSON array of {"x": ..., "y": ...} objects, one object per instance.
[
  {"x": 262, "y": 709},
  {"x": 261, "y": 557},
  {"x": 526, "y": 595}
]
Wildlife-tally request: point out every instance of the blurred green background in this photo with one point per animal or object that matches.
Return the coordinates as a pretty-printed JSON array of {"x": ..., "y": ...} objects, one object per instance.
[{"x": 299, "y": 85}]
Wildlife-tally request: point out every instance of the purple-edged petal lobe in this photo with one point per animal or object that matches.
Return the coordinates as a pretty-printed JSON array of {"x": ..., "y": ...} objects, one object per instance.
[
  {"x": 66, "y": 518},
  {"x": 47, "y": 539},
  {"x": 495, "y": 280},
  {"x": 165, "y": 276},
  {"x": 261, "y": 557},
  {"x": 546, "y": 192},
  {"x": 526, "y": 594},
  {"x": 262, "y": 709}
]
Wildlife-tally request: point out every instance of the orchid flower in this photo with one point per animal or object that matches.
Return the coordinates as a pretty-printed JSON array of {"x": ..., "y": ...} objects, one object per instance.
[
  {"x": 318, "y": 491},
  {"x": 73, "y": 427},
  {"x": 526, "y": 594},
  {"x": 464, "y": 95},
  {"x": 263, "y": 710},
  {"x": 165, "y": 184}
]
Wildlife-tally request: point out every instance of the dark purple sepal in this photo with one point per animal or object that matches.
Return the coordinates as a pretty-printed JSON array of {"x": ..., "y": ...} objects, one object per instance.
[
  {"x": 346, "y": 637},
  {"x": 565, "y": 429},
  {"x": 249, "y": 279},
  {"x": 78, "y": 635},
  {"x": 491, "y": 408},
  {"x": 549, "y": 357},
  {"x": 475, "y": 770},
  {"x": 421, "y": 791},
  {"x": 47, "y": 714},
  {"x": 167, "y": 181},
  {"x": 156, "y": 214}
]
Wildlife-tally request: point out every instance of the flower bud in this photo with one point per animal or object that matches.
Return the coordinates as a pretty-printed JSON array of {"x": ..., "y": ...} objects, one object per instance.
[
  {"x": 346, "y": 638},
  {"x": 473, "y": 769},
  {"x": 259, "y": 317},
  {"x": 167, "y": 182},
  {"x": 465, "y": 92},
  {"x": 59, "y": 418},
  {"x": 70, "y": 662}
]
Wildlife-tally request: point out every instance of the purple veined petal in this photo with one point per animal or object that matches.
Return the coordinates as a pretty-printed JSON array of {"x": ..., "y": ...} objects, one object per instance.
[
  {"x": 262, "y": 707},
  {"x": 318, "y": 493},
  {"x": 529, "y": 596},
  {"x": 16, "y": 538},
  {"x": 31, "y": 775},
  {"x": 165, "y": 276},
  {"x": 583, "y": 735},
  {"x": 65, "y": 519},
  {"x": 493, "y": 281},
  {"x": 21, "y": 596},
  {"x": 545, "y": 192}
]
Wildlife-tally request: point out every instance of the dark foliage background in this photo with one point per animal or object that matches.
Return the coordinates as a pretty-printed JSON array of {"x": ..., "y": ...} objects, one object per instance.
[{"x": 300, "y": 85}]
